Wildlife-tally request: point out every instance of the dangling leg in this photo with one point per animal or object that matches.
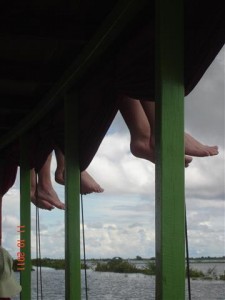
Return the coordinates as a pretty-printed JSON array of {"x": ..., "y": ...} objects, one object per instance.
[
  {"x": 192, "y": 146},
  {"x": 41, "y": 203},
  {"x": 141, "y": 144},
  {"x": 88, "y": 184},
  {"x": 140, "y": 119},
  {"x": 149, "y": 109},
  {"x": 60, "y": 161},
  {"x": 47, "y": 197}
]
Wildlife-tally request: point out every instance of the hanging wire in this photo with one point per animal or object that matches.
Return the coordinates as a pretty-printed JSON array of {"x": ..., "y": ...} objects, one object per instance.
[
  {"x": 38, "y": 247},
  {"x": 187, "y": 257},
  {"x": 85, "y": 262},
  {"x": 39, "y": 252},
  {"x": 37, "y": 273}
]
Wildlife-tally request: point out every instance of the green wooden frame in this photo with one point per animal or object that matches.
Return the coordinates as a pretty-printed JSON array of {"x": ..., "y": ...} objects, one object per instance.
[
  {"x": 170, "y": 208},
  {"x": 72, "y": 199},
  {"x": 25, "y": 220}
]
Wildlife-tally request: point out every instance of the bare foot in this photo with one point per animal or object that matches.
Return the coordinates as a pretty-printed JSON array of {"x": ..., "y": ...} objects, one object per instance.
[
  {"x": 143, "y": 149},
  {"x": 46, "y": 198},
  {"x": 195, "y": 148},
  {"x": 89, "y": 185},
  {"x": 41, "y": 203}
]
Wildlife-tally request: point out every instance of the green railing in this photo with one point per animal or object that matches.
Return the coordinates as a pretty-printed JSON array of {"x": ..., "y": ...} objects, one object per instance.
[
  {"x": 170, "y": 217},
  {"x": 25, "y": 221}
]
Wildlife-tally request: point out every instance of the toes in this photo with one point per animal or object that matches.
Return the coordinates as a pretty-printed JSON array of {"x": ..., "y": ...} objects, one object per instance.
[
  {"x": 213, "y": 150},
  {"x": 56, "y": 203},
  {"x": 188, "y": 160},
  {"x": 45, "y": 204},
  {"x": 59, "y": 205},
  {"x": 41, "y": 203}
]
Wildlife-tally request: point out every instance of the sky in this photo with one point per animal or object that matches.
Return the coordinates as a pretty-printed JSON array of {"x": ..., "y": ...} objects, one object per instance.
[{"x": 121, "y": 220}]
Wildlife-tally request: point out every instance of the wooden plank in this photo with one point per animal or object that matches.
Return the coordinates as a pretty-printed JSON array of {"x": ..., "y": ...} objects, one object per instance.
[
  {"x": 72, "y": 198},
  {"x": 170, "y": 221}
]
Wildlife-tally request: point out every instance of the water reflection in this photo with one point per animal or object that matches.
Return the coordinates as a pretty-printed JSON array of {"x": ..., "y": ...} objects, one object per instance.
[{"x": 114, "y": 286}]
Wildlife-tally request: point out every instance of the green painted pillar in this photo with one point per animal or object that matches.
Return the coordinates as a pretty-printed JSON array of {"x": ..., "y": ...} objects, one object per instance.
[
  {"x": 72, "y": 199},
  {"x": 170, "y": 217},
  {"x": 24, "y": 228}
]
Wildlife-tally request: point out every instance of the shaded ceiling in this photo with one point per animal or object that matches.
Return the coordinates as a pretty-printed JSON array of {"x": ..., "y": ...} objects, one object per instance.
[{"x": 44, "y": 42}]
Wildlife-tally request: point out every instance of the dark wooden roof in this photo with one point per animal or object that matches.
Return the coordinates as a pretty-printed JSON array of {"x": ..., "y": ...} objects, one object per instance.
[{"x": 97, "y": 47}]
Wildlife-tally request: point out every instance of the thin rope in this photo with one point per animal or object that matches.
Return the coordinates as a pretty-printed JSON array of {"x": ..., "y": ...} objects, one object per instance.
[
  {"x": 37, "y": 276},
  {"x": 85, "y": 262},
  {"x": 187, "y": 255},
  {"x": 39, "y": 255},
  {"x": 38, "y": 247}
]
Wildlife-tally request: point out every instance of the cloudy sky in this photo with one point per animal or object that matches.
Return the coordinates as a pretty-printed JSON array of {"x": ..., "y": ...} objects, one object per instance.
[{"x": 121, "y": 221}]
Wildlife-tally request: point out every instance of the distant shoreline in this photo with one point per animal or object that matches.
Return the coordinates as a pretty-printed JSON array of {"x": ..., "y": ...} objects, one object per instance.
[
  {"x": 144, "y": 266},
  {"x": 59, "y": 263},
  {"x": 191, "y": 259}
]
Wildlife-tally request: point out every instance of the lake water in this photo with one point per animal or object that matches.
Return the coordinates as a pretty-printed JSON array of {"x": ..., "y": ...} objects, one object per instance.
[{"x": 115, "y": 286}]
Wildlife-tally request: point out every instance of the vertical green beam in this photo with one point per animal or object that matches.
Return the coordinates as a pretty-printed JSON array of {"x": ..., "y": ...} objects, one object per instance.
[
  {"x": 24, "y": 244},
  {"x": 170, "y": 220},
  {"x": 72, "y": 198}
]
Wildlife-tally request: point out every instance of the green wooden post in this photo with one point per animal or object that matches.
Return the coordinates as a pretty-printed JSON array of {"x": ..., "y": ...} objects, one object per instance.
[
  {"x": 170, "y": 220},
  {"x": 24, "y": 244},
  {"x": 72, "y": 197}
]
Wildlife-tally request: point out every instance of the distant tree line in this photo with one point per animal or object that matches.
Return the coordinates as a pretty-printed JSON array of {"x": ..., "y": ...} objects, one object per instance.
[{"x": 119, "y": 265}]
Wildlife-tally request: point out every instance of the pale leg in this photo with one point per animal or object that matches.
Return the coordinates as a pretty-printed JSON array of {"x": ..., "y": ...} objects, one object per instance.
[
  {"x": 59, "y": 172},
  {"x": 139, "y": 127},
  {"x": 149, "y": 108},
  {"x": 45, "y": 196},
  {"x": 192, "y": 146}
]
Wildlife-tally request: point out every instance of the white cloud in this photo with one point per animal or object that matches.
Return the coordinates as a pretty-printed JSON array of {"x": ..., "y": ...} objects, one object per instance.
[
  {"x": 205, "y": 178},
  {"x": 114, "y": 240},
  {"x": 205, "y": 105}
]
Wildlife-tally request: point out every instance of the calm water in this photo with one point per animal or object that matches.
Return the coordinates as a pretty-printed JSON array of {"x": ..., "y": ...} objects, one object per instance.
[{"x": 114, "y": 286}]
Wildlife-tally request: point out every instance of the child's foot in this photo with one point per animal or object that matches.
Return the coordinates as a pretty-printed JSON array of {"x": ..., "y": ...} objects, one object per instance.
[
  {"x": 195, "y": 148},
  {"x": 89, "y": 185}
]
